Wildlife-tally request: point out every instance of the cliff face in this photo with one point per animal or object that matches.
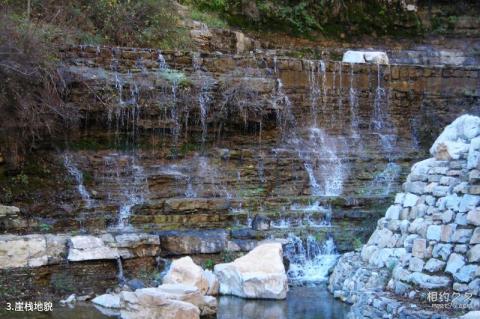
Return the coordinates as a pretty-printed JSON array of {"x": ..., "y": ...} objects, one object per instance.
[{"x": 429, "y": 238}]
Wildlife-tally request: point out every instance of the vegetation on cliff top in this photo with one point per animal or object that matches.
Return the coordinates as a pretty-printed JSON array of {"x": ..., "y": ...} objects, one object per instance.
[{"x": 310, "y": 17}]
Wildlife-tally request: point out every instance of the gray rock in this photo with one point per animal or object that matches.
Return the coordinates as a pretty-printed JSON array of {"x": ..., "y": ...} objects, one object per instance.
[
  {"x": 474, "y": 287},
  {"x": 428, "y": 282},
  {"x": 434, "y": 265},
  {"x": 473, "y": 254},
  {"x": 461, "y": 219},
  {"x": 393, "y": 212},
  {"x": 416, "y": 264},
  {"x": 452, "y": 202},
  {"x": 447, "y": 232},
  {"x": 415, "y": 187},
  {"x": 419, "y": 247},
  {"x": 473, "y": 217},
  {"x": 461, "y": 249},
  {"x": 434, "y": 232},
  {"x": 455, "y": 262},
  {"x": 475, "y": 236},
  {"x": 410, "y": 200},
  {"x": 399, "y": 198},
  {"x": 462, "y": 235},
  {"x": 468, "y": 202},
  {"x": 442, "y": 251},
  {"x": 459, "y": 287},
  {"x": 466, "y": 273},
  {"x": 441, "y": 191}
]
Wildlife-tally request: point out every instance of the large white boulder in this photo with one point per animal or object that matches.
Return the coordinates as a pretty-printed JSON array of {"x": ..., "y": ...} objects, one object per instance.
[
  {"x": 258, "y": 274},
  {"x": 151, "y": 303},
  {"x": 353, "y": 56},
  {"x": 185, "y": 271},
  {"x": 90, "y": 248},
  {"x": 452, "y": 142}
]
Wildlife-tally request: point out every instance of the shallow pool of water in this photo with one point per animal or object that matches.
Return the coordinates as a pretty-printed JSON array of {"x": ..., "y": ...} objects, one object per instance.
[{"x": 313, "y": 302}]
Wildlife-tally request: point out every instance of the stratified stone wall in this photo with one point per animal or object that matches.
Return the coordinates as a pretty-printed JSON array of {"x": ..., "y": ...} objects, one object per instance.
[{"x": 430, "y": 237}]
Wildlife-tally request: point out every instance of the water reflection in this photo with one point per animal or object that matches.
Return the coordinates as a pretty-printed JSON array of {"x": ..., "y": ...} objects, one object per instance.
[{"x": 302, "y": 303}]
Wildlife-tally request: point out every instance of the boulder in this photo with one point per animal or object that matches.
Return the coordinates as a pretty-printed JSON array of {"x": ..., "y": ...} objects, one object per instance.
[
  {"x": 428, "y": 282},
  {"x": 259, "y": 274},
  {"x": 377, "y": 57},
  {"x": 185, "y": 271},
  {"x": 152, "y": 303},
  {"x": 464, "y": 127},
  {"x": 107, "y": 301},
  {"x": 90, "y": 248}
]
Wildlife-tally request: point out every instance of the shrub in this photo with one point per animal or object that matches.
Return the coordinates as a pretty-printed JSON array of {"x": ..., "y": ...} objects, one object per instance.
[{"x": 31, "y": 89}]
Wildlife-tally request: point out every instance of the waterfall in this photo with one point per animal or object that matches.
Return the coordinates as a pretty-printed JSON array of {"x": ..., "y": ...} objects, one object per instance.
[
  {"x": 321, "y": 151},
  {"x": 309, "y": 260},
  {"x": 204, "y": 101},
  {"x": 385, "y": 180},
  {"x": 353, "y": 99},
  {"x": 381, "y": 123},
  {"x": 190, "y": 193},
  {"x": 75, "y": 172},
  {"x": 127, "y": 178},
  {"x": 283, "y": 107},
  {"x": 120, "y": 275}
]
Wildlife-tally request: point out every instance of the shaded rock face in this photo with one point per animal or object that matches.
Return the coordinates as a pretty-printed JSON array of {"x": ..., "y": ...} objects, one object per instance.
[
  {"x": 428, "y": 237},
  {"x": 259, "y": 274}
]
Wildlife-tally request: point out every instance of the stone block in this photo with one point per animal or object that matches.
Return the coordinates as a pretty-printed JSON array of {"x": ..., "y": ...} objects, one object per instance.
[
  {"x": 468, "y": 202},
  {"x": 473, "y": 217},
  {"x": 419, "y": 247},
  {"x": 410, "y": 200},
  {"x": 454, "y": 263},
  {"x": 447, "y": 232},
  {"x": 434, "y": 232},
  {"x": 473, "y": 254},
  {"x": 462, "y": 235},
  {"x": 475, "y": 236},
  {"x": 434, "y": 265}
]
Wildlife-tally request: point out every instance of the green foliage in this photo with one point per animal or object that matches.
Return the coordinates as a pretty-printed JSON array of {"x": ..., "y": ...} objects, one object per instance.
[
  {"x": 357, "y": 243},
  {"x": 45, "y": 227},
  {"x": 212, "y": 20},
  {"x": 228, "y": 256},
  {"x": 307, "y": 17},
  {"x": 208, "y": 264}
]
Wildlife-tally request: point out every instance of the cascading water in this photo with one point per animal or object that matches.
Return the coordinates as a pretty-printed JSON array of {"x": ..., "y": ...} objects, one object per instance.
[
  {"x": 353, "y": 99},
  {"x": 283, "y": 107},
  {"x": 381, "y": 123},
  {"x": 75, "y": 172},
  {"x": 319, "y": 154},
  {"x": 309, "y": 260},
  {"x": 120, "y": 275},
  {"x": 123, "y": 174},
  {"x": 204, "y": 101},
  {"x": 383, "y": 182}
]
